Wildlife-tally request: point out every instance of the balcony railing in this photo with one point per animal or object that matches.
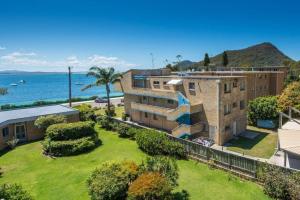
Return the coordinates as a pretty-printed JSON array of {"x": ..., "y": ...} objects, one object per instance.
[
  {"x": 187, "y": 129},
  {"x": 150, "y": 108},
  {"x": 167, "y": 94}
]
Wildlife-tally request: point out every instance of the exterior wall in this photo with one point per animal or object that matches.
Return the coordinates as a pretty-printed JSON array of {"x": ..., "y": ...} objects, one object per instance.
[
  {"x": 32, "y": 132},
  {"x": 208, "y": 92}
]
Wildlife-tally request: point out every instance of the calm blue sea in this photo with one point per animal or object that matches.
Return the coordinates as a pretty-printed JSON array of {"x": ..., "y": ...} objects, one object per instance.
[{"x": 41, "y": 86}]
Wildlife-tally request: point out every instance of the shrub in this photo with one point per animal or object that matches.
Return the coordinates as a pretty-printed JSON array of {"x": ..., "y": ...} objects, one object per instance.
[
  {"x": 166, "y": 166},
  {"x": 156, "y": 143},
  {"x": 262, "y": 108},
  {"x": 149, "y": 186},
  {"x": 112, "y": 111},
  {"x": 70, "y": 139},
  {"x": 44, "y": 122},
  {"x": 12, "y": 143},
  {"x": 105, "y": 122},
  {"x": 86, "y": 112},
  {"x": 290, "y": 96},
  {"x": 132, "y": 132},
  {"x": 111, "y": 180},
  {"x": 279, "y": 183},
  {"x": 13, "y": 192},
  {"x": 69, "y": 147},
  {"x": 67, "y": 131},
  {"x": 123, "y": 130},
  {"x": 124, "y": 116}
]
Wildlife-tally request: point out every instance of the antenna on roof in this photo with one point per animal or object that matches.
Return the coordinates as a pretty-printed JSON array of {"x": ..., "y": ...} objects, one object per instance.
[{"x": 152, "y": 59}]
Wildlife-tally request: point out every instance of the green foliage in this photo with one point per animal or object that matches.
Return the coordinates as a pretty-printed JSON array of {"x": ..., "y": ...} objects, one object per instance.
[
  {"x": 206, "y": 60},
  {"x": 110, "y": 112},
  {"x": 166, "y": 166},
  {"x": 69, "y": 131},
  {"x": 70, "y": 138},
  {"x": 13, "y": 192},
  {"x": 86, "y": 112},
  {"x": 262, "y": 108},
  {"x": 290, "y": 96},
  {"x": 224, "y": 59},
  {"x": 44, "y": 122},
  {"x": 105, "y": 122},
  {"x": 126, "y": 131},
  {"x": 150, "y": 186},
  {"x": 279, "y": 183},
  {"x": 111, "y": 180},
  {"x": 157, "y": 143}
]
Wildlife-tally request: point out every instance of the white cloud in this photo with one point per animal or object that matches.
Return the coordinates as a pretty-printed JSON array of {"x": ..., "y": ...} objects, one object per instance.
[
  {"x": 2, "y": 48},
  {"x": 33, "y": 62}
]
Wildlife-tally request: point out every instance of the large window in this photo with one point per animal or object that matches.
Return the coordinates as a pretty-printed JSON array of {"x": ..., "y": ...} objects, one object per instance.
[
  {"x": 154, "y": 116},
  {"x": 5, "y": 132},
  {"x": 155, "y": 82},
  {"x": 191, "y": 86},
  {"x": 227, "y": 88},
  {"x": 227, "y": 109},
  {"x": 170, "y": 101},
  {"x": 242, "y": 85}
]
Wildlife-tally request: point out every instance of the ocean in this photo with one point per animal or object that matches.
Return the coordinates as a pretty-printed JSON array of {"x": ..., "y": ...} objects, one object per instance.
[{"x": 47, "y": 87}]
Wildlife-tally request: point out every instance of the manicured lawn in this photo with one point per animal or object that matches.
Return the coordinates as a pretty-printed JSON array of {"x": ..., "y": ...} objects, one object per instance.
[
  {"x": 65, "y": 178},
  {"x": 118, "y": 109},
  {"x": 262, "y": 146}
]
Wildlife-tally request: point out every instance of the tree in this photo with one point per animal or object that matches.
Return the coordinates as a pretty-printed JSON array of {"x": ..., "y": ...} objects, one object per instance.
[
  {"x": 206, "y": 60},
  {"x": 290, "y": 97},
  {"x": 104, "y": 76},
  {"x": 225, "y": 59}
]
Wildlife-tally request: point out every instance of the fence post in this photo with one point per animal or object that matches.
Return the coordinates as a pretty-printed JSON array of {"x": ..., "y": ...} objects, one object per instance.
[{"x": 280, "y": 120}]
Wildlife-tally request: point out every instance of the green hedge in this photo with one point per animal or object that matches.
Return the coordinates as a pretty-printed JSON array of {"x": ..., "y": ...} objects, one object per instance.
[
  {"x": 14, "y": 192},
  {"x": 157, "y": 143},
  {"x": 70, "y": 147},
  {"x": 69, "y": 131}
]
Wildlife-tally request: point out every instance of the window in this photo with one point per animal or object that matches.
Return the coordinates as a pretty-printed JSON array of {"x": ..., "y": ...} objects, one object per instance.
[
  {"x": 235, "y": 83},
  {"x": 191, "y": 86},
  {"x": 170, "y": 101},
  {"x": 265, "y": 76},
  {"x": 242, "y": 104},
  {"x": 144, "y": 98},
  {"x": 155, "y": 82},
  {"x": 154, "y": 99},
  {"x": 227, "y": 128},
  {"x": 242, "y": 85},
  {"x": 146, "y": 115},
  {"x": 227, "y": 109},
  {"x": 154, "y": 116},
  {"x": 227, "y": 88},
  {"x": 5, "y": 132},
  {"x": 234, "y": 105},
  {"x": 165, "y": 82}
]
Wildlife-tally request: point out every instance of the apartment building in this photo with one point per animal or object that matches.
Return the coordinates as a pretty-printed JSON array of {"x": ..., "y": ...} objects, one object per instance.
[
  {"x": 187, "y": 104},
  {"x": 259, "y": 83}
]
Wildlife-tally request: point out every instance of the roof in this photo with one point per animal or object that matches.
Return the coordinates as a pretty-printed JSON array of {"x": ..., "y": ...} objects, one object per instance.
[
  {"x": 175, "y": 82},
  {"x": 29, "y": 114},
  {"x": 289, "y": 140}
]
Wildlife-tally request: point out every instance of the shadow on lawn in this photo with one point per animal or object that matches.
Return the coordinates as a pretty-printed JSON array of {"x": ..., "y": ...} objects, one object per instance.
[
  {"x": 245, "y": 143},
  {"x": 183, "y": 195}
]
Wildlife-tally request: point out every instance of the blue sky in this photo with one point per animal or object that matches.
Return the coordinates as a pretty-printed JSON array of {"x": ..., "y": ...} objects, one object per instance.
[{"x": 49, "y": 35}]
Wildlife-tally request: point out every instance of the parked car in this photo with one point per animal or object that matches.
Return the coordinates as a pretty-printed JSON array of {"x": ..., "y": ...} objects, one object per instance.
[{"x": 100, "y": 100}]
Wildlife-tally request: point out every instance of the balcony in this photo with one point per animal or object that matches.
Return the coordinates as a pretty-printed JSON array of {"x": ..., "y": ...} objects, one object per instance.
[
  {"x": 187, "y": 129},
  {"x": 167, "y": 94},
  {"x": 171, "y": 114}
]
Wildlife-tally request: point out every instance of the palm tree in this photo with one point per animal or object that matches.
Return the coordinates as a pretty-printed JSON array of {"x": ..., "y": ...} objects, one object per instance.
[{"x": 104, "y": 76}]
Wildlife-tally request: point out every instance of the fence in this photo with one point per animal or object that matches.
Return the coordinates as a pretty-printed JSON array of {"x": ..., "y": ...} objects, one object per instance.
[{"x": 242, "y": 165}]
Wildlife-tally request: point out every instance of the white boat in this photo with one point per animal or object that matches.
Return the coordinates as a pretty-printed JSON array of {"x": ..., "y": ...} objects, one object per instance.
[
  {"x": 77, "y": 83},
  {"x": 13, "y": 84},
  {"x": 22, "y": 81}
]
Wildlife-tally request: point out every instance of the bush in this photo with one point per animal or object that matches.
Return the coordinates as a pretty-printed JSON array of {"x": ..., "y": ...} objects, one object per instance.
[
  {"x": 290, "y": 96},
  {"x": 44, "y": 122},
  {"x": 123, "y": 130},
  {"x": 166, "y": 166},
  {"x": 86, "y": 112},
  {"x": 111, "y": 180},
  {"x": 262, "y": 108},
  {"x": 70, "y": 139},
  {"x": 67, "y": 131},
  {"x": 156, "y": 143},
  {"x": 70, "y": 147},
  {"x": 13, "y": 192},
  {"x": 105, "y": 122},
  {"x": 112, "y": 112},
  {"x": 280, "y": 184},
  {"x": 150, "y": 186},
  {"x": 12, "y": 143}
]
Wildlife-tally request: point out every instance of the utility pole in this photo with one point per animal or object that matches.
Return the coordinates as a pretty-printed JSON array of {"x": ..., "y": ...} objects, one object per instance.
[{"x": 70, "y": 87}]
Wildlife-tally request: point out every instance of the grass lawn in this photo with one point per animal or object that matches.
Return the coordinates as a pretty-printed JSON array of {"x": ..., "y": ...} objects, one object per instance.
[
  {"x": 118, "y": 109},
  {"x": 262, "y": 146},
  {"x": 65, "y": 178}
]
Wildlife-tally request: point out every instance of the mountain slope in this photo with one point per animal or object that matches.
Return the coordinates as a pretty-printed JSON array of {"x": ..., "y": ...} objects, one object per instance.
[{"x": 264, "y": 54}]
